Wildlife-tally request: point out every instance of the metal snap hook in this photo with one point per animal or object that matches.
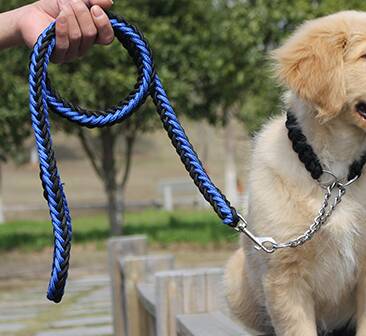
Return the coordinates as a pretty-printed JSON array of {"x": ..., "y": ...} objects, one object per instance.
[{"x": 266, "y": 244}]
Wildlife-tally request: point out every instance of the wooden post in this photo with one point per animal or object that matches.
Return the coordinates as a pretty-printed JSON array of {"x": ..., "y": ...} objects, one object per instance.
[
  {"x": 117, "y": 248},
  {"x": 168, "y": 197},
  {"x": 186, "y": 292},
  {"x": 136, "y": 270}
]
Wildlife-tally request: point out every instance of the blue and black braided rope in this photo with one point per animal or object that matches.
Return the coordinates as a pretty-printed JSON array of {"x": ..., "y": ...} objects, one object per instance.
[{"x": 43, "y": 97}]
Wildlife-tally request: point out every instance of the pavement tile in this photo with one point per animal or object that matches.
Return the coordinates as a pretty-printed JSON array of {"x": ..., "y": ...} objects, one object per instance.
[
  {"x": 83, "y": 331},
  {"x": 87, "y": 311},
  {"x": 10, "y": 327},
  {"x": 84, "y": 321},
  {"x": 90, "y": 315}
]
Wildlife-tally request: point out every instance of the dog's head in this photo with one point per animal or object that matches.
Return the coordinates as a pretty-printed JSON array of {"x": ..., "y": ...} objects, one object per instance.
[{"x": 324, "y": 63}]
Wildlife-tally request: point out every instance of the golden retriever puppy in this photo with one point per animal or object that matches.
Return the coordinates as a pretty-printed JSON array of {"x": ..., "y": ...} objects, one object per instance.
[{"x": 320, "y": 286}]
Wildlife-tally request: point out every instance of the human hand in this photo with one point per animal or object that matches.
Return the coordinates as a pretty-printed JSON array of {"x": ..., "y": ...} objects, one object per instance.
[{"x": 79, "y": 24}]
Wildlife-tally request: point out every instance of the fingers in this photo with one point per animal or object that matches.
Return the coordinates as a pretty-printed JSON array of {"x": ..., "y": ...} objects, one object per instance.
[
  {"x": 86, "y": 26},
  {"x": 74, "y": 33},
  {"x": 62, "y": 40},
  {"x": 78, "y": 28},
  {"x": 69, "y": 31},
  {"x": 103, "y": 25}
]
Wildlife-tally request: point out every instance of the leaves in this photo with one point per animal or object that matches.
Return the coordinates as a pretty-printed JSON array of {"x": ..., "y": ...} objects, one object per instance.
[{"x": 14, "y": 118}]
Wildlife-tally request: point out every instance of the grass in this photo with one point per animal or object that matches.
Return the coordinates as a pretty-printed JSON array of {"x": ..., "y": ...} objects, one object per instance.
[{"x": 200, "y": 227}]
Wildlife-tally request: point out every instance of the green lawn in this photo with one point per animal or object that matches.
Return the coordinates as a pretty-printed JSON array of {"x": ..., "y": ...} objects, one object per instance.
[{"x": 201, "y": 227}]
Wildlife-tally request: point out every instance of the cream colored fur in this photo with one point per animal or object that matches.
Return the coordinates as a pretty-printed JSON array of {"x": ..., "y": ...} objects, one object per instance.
[{"x": 323, "y": 283}]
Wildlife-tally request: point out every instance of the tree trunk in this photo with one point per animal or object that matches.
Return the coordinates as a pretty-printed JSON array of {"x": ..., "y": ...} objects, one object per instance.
[
  {"x": 115, "y": 210},
  {"x": 2, "y": 215},
  {"x": 230, "y": 164},
  {"x": 130, "y": 142},
  {"x": 114, "y": 195},
  {"x": 107, "y": 169}
]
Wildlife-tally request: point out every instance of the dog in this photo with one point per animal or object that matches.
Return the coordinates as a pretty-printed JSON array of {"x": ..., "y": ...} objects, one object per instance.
[{"x": 319, "y": 287}]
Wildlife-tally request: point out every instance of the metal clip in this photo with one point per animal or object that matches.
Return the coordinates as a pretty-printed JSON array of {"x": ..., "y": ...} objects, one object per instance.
[{"x": 266, "y": 244}]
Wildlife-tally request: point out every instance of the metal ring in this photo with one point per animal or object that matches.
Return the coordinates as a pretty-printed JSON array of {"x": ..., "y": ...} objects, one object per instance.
[
  {"x": 326, "y": 185},
  {"x": 349, "y": 182}
]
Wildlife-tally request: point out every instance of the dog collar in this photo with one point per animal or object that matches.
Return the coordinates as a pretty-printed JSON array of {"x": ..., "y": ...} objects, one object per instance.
[
  {"x": 309, "y": 158},
  {"x": 334, "y": 190}
]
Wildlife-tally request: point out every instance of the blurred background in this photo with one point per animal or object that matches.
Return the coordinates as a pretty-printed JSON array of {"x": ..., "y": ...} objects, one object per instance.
[{"x": 213, "y": 57}]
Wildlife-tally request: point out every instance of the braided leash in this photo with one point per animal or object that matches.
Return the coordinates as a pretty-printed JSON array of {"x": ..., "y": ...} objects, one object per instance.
[{"x": 43, "y": 97}]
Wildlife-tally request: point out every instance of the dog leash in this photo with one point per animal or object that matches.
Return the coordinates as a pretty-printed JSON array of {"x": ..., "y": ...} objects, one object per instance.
[{"x": 44, "y": 98}]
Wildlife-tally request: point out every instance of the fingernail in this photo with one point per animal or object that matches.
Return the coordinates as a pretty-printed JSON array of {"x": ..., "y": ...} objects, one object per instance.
[{"x": 97, "y": 11}]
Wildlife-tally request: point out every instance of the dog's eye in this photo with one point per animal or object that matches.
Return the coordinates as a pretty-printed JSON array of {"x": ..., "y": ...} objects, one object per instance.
[{"x": 363, "y": 56}]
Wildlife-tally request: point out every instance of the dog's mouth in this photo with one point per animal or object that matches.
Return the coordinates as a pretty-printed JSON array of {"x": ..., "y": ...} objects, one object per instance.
[{"x": 361, "y": 109}]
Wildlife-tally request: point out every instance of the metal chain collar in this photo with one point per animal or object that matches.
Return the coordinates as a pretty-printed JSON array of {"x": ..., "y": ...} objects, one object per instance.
[{"x": 334, "y": 186}]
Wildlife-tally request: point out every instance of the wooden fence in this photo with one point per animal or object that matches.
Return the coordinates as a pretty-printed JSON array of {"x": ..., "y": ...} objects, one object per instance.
[{"x": 152, "y": 298}]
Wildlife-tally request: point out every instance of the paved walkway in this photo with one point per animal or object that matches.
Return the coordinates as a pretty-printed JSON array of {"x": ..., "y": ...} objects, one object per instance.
[{"x": 84, "y": 311}]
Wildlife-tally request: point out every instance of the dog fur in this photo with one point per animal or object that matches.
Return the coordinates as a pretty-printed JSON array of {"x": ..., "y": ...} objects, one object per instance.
[{"x": 321, "y": 285}]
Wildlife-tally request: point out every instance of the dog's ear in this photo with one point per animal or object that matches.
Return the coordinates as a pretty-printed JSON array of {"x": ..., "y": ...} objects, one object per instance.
[{"x": 311, "y": 64}]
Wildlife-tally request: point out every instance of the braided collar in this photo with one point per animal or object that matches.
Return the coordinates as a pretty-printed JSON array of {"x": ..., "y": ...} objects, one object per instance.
[{"x": 307, "y": 155}]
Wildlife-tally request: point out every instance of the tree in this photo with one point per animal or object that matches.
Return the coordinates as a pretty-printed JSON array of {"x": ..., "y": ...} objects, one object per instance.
[
  {"x": 212, "y": 56},
  {"x": 106, "y": 75}
]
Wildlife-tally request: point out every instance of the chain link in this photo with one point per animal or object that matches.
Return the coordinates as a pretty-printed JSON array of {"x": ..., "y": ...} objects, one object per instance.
[
  {"x": 323, "y": 216},
  {"x": 269, "y": 245}
]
